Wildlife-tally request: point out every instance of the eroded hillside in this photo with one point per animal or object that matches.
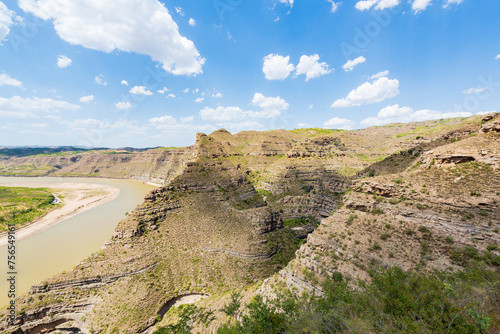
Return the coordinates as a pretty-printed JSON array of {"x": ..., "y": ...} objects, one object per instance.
[{"x": 408, "y": 195}]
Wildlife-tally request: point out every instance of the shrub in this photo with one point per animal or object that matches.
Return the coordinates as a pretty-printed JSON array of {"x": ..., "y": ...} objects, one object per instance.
[
  {"x": 423, "y": 229},
  {"x": 385, "y": 236}
]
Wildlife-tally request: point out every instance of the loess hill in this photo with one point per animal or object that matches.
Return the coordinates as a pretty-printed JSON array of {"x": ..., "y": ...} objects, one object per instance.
[{"x": 260, "y": 210}]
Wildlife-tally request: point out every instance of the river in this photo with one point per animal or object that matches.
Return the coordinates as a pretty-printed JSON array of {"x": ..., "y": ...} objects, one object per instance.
[{"x": 61, "y": 247}]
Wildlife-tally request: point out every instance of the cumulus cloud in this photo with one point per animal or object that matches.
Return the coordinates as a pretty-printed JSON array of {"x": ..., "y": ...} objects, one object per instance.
[
  {"x": 497, "y": 57},
  {"x": 222, "y": 114},
  {"x": 163, "y": 90},
  {"x": 6, "y": 80},
  {"x": 287, "y": 2},
  {"x": 339, "y": 123},
  {"x": 380, "y": 74},
  {"x": 100, "y": 80},
  {"x": 6, "y": 21},
  {"x": 349, "y": 66},
  {"x": 474, "y": 90},
  {"x": 419, "y": 5},
  {"x": 140, "y": 90},
  {"x": 121, "y": 25},
  {"x": 124, "y": 82},
  {"x": 270, "y": 107},
  {"x": 170, "y": 96},
  {"x": 311, "y": 67},
  {"x": 277, "y": 67},
  {"x": 87, "y": 99},
  {"x": 63, "y": 61},
  {"x": 335, "y": 5},
  {"x": 199, "y": 100},
  {"x": 378, "y": 91},
  {"x": 397, "y": 114},
  {"x": 217, "y": 95},
  {"x": 123, "y": 105},
  {"x": 379, "y": 4},
  {"x": 192, "y": 22},
  {"x": 18, "y": 107}
]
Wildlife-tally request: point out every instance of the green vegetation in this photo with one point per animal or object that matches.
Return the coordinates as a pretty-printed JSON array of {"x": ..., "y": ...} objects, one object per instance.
[
  {"x": 301, "y": 222},
  {"x": 313, "y": 132},
  {"x": 20, "y": 206},
  {"x": 394, "y": 301}
]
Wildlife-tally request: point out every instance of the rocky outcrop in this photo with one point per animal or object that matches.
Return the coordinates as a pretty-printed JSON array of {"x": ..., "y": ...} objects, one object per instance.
[
  {"x": 375, "y": 188},
  {"x": 490, "y": 127},
  {"x": 266, "y": 220},
  {"x": 87, "y": 283}
]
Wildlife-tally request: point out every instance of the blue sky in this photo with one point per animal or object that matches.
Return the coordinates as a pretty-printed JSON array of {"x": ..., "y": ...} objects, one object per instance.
[{"x": 147, "y": 73}]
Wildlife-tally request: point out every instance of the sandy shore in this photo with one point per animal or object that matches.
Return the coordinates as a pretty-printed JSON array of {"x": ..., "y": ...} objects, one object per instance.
[{"x": 75, "y": 198}]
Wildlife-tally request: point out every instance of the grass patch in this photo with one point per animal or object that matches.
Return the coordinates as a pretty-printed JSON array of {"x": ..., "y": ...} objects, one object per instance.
[{"x": 20, "y": 206}]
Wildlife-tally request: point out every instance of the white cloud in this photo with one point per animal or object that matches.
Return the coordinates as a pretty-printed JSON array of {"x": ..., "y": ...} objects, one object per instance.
[
  {"x": 277, "y": 67},
  {"x": 170, "y": 96},
  {"x": 170, "y": 124},
  {"x": 123, "y": 105},
  {"x": 474, "y": 90},
  {"x": 124, "y": 82},
  {"x": 192, "y": 22},
  {"x": 163, "y": 90},
  {"x": 339, "y": 123},
  {"x": 179, "y": 11},
  {"x": 187, "y": 119},
  {"x": 186, "y": 90},
  {"x": 311, "y": 67},
  {"x": 6, "y": 16},
  {"x": 125, "y": 127},
  {"x": 349, "y": 66},
  {"x": 100, "y": 80},
  {"x": 397, "y": 114},
  {"x": 63, "y": 61},
  {"x": 380, "y": 74},
  {"x": 121, "y": 25},
  {"x": 18, "y": 107},
  {"x": 87, "y": 99},
  {"x": 270, "y": 107},
  {"x": 497, "y": 57},
  {"x": 335, "y": 5},
  {"x": 287, "y": 2},
  {"x": 378, "y": 91},
  {"x": 379, "y": 4},
  {"x": 217, "y": 95},
  {"x": 199, "y": 100},
  {"x": 222, "y": 114},
  {"x": 452, "y": 2},
  {"x": 6, "y": 80},
  {"x": 140, "y": 90},
  {"x": 419, "y": 5}
]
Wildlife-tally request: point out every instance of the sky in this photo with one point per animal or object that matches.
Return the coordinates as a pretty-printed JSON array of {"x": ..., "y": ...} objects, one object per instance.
[{"x": 147, "y": 73}]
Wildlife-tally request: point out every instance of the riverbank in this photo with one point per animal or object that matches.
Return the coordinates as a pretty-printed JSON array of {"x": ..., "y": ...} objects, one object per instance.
[{"x": 75, "y": 198}]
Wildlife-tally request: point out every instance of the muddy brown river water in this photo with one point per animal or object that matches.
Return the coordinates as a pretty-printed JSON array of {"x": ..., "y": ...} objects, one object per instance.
[{"x": 61, "y": 247}]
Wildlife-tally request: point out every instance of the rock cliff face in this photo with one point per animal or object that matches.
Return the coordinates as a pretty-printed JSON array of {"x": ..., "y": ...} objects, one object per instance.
[
  {"x": 425, "y": 216},
  {"x": 401, "y": 195}
]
